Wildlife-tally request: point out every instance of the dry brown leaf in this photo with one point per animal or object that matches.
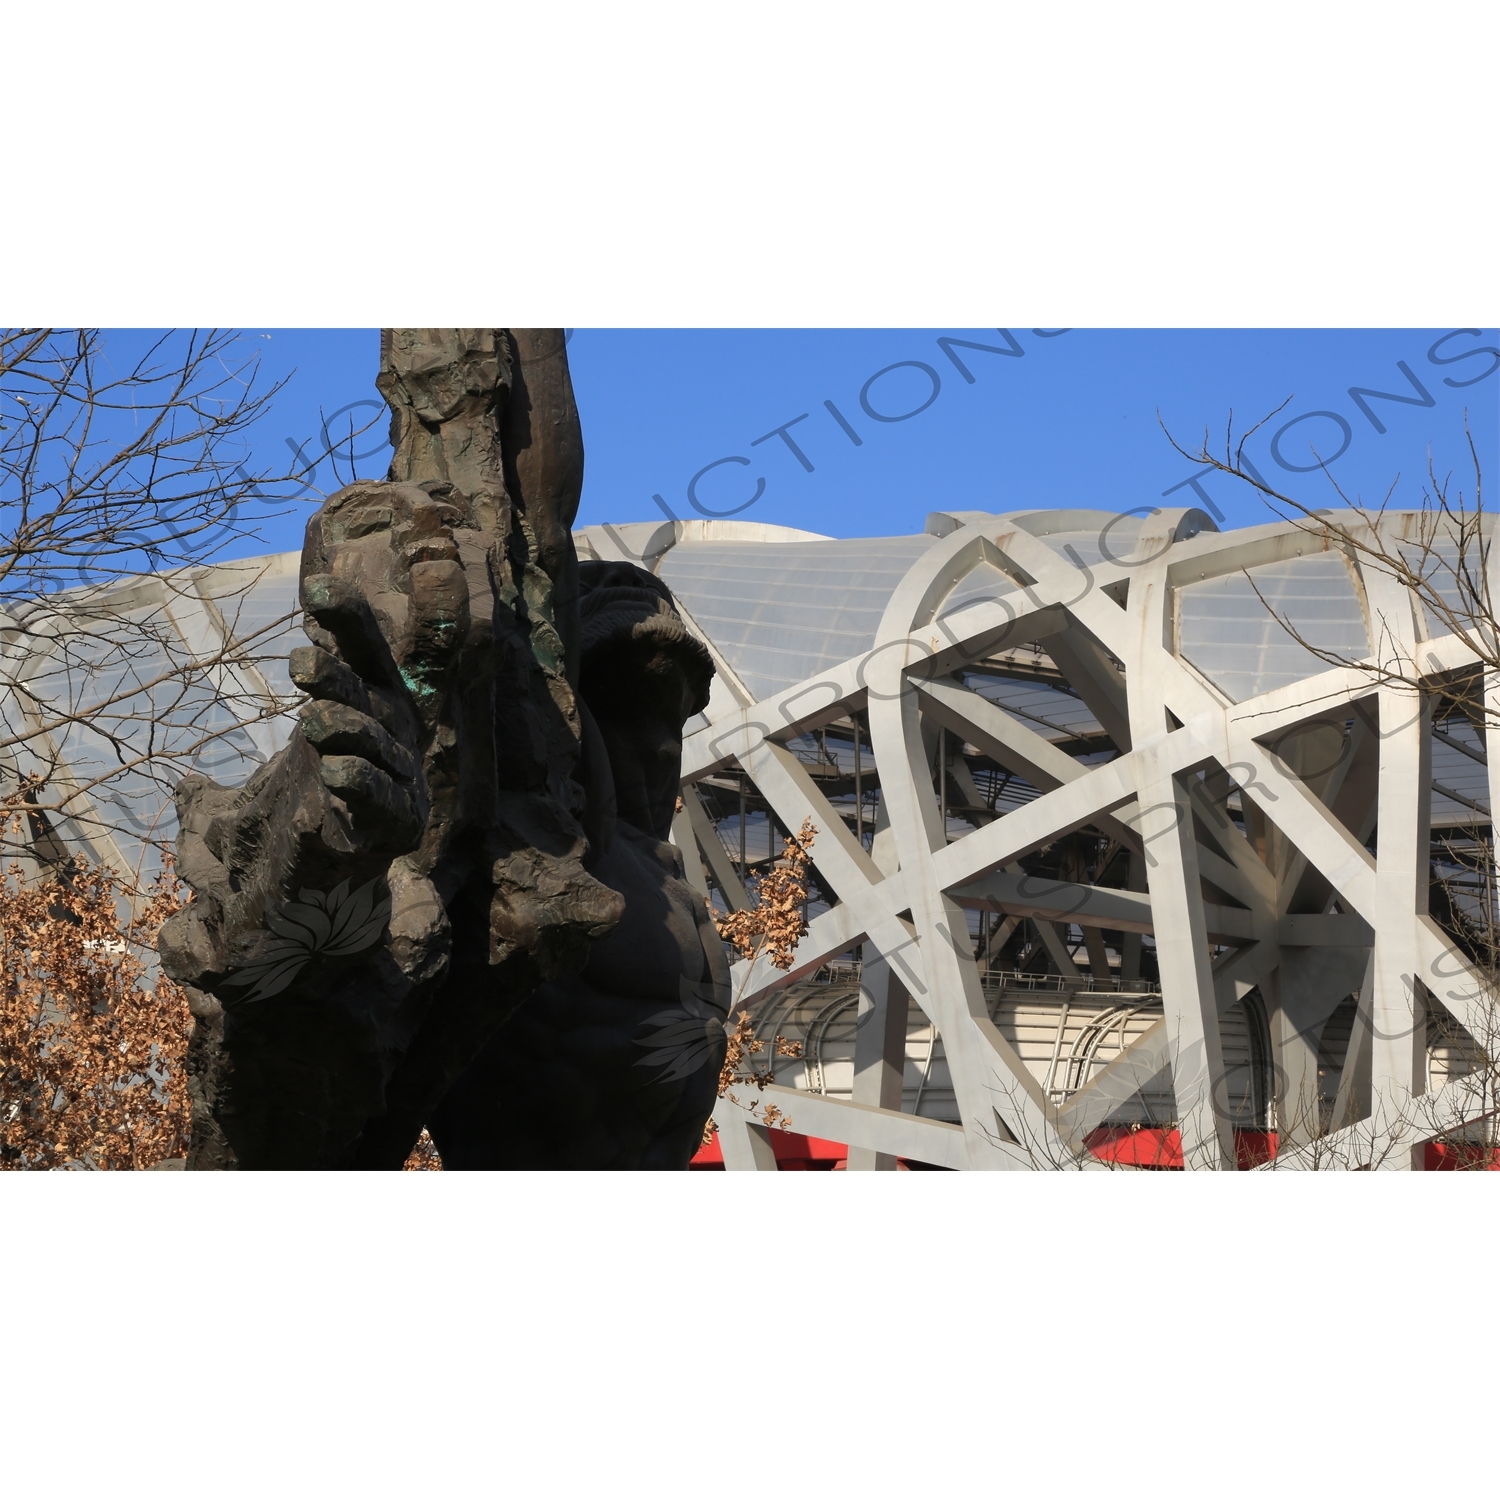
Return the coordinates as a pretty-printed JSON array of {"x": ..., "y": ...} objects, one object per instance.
[{"x": 93, "y": 1040}]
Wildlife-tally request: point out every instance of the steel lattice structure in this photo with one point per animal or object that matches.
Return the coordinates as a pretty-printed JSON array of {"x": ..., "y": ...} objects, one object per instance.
[
  {"x": 1101, "y": 842},
  {"x": 1243, "y": 777}
]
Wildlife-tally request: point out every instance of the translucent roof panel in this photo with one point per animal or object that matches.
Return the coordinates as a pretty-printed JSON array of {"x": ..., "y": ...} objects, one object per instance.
[
  {"x": 1051, "y": 712},
  {"x": 779, "y": 611},
  {"x": 986, "y": 582},
  {"x": 268, "y": 618},
  {"x": 785, "y": 611},
  {"x": 1454, "y": 576},
  {"x": 128, "y": 712},
  {"x": 1227, "y": 630}
]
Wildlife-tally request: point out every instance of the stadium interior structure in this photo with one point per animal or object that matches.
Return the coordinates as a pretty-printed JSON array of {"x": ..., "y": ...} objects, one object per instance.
[{"x": 1124, "y": 856}]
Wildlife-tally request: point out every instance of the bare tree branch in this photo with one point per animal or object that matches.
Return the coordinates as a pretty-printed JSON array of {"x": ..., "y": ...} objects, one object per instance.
[{"x": 123, "y": 662}]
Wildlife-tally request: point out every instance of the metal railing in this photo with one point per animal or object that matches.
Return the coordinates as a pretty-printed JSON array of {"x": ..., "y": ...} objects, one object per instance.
[
  {"x": 1080, "y": 984},
  {"x": 848, "y": 972}
]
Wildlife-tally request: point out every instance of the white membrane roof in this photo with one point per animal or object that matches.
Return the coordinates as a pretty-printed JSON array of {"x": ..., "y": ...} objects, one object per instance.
[{"x": 777, "y": 606}]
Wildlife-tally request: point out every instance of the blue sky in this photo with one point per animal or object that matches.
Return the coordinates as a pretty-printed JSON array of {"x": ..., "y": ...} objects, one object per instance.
[{"x": 1070, "y": 420}]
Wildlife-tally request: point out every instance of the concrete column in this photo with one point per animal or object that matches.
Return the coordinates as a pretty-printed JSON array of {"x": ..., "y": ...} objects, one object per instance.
[
  {"x": 879, "y": 1052},
  {"x": 1187, "y": 983},
  {"x": 746, "y": 1145},
  {"x": 1099, "y": 970},
  {"x": 1353, "y": 1101},
  {"x": 1305, "y": 989},
  {"x": 1398, "y": 1055}
]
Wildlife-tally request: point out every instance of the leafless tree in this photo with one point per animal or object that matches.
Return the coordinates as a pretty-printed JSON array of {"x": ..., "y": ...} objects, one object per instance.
[
  {"x": 118, "y": 481},
  {"x": 1437, "y": 551}
]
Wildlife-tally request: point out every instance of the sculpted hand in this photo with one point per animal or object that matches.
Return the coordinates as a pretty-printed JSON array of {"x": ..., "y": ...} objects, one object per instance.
[{"x": 391, "y": 613}]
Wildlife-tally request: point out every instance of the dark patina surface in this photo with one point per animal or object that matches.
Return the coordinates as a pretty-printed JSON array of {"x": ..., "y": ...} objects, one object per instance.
[{"x": 449, "y": 901}]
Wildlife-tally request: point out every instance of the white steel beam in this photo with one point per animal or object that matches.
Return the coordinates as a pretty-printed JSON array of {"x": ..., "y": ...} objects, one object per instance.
[{"x": 1313, "y": 905}]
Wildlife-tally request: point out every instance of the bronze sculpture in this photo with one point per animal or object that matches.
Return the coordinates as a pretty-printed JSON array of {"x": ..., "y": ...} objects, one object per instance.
[
  {"x": 615, "y": 1067},
  {"x": 438, "y": 846}
]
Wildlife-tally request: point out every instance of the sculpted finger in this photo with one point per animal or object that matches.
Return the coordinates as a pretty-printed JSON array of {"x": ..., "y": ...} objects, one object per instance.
[
  {"x": 322, "y": 675},
  {"x": 369, "y": 791},
  {"x": 338, "y": 730},
  {"x": 345, "y": 613}
]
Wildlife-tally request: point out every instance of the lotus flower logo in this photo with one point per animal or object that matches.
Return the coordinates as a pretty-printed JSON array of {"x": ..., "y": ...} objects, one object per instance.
[
  {"x": 320, "y": 924},
  {"x": 685, "y": 1040}
]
